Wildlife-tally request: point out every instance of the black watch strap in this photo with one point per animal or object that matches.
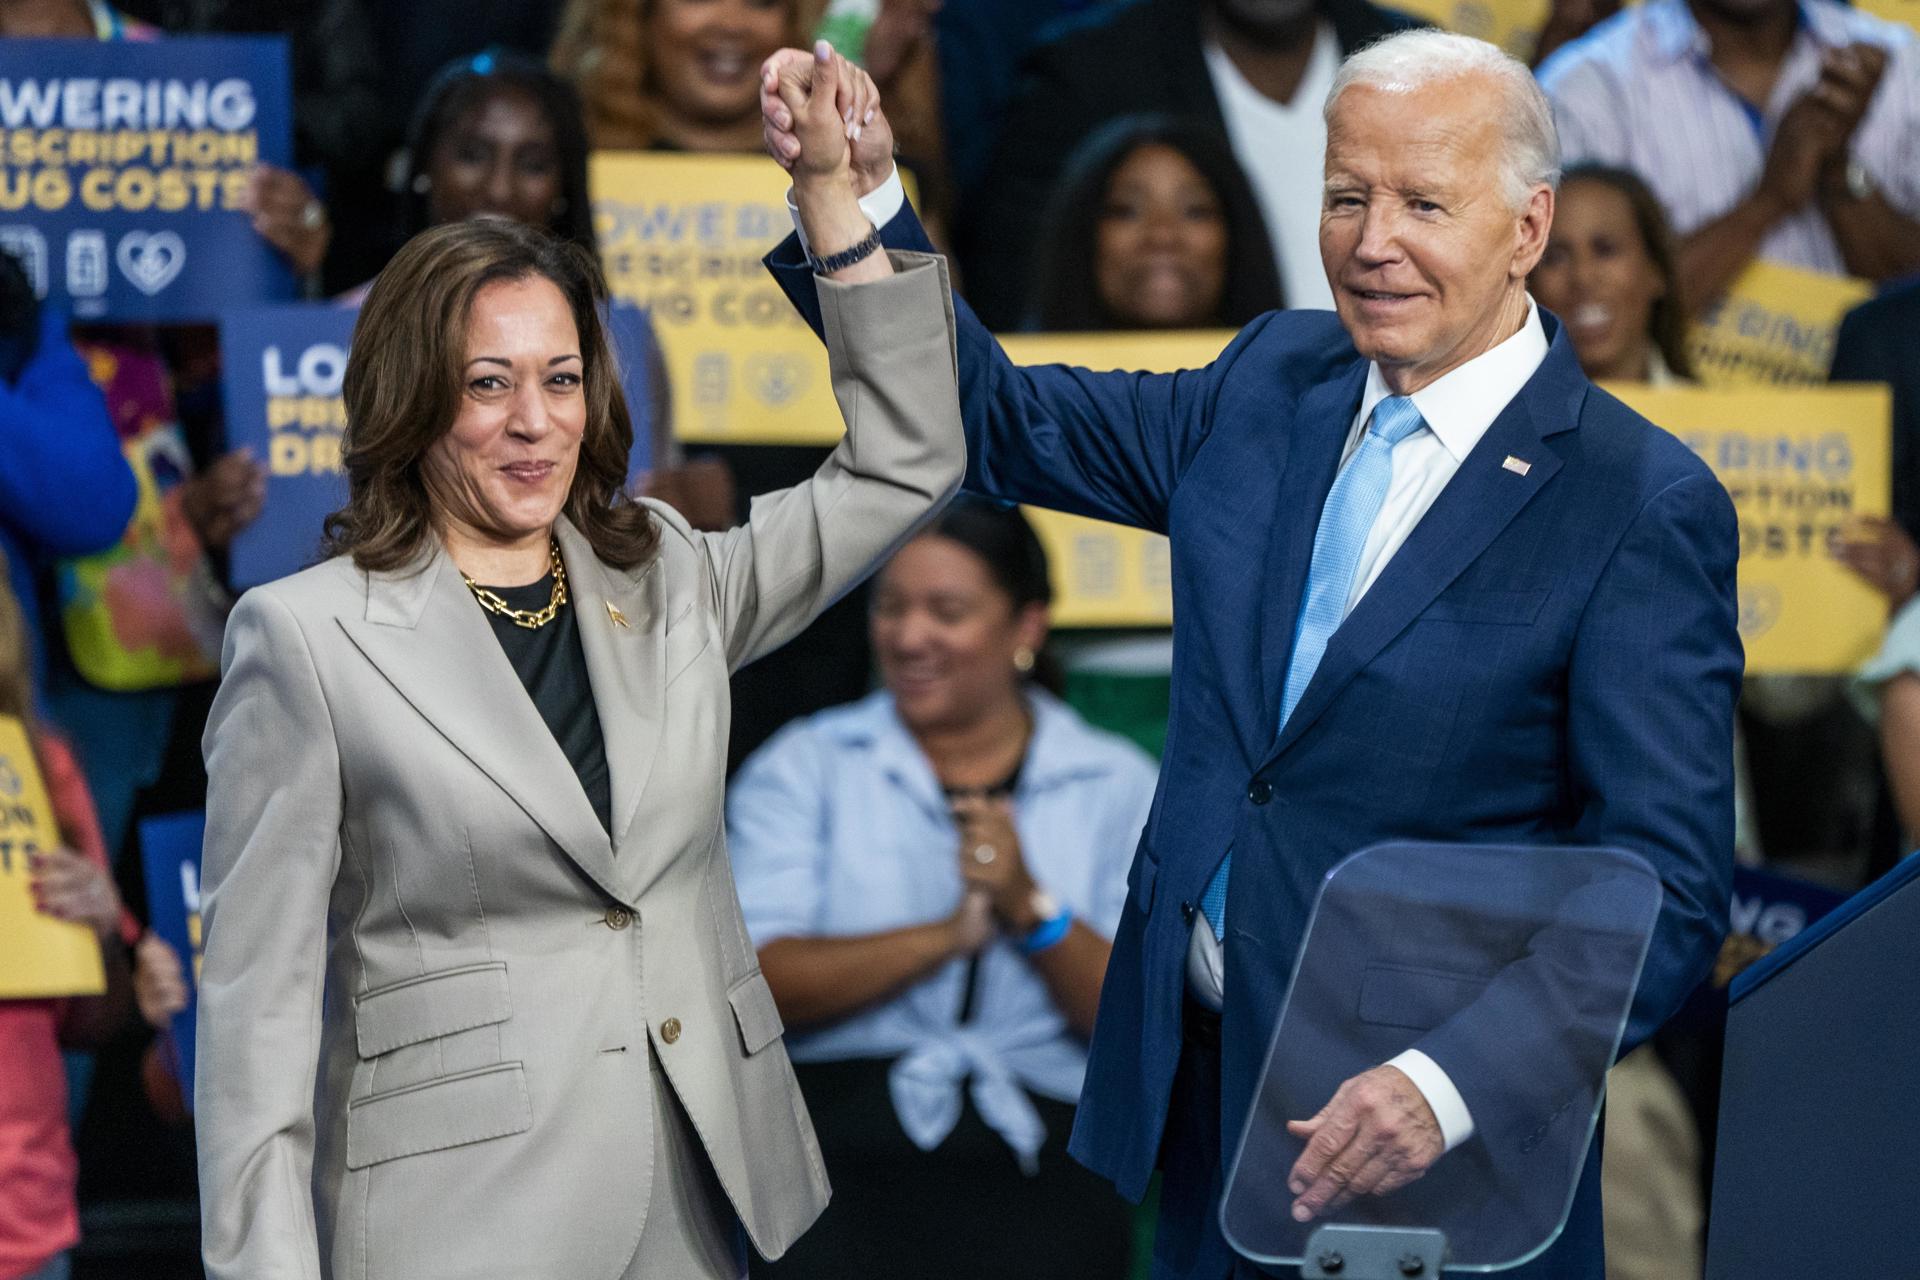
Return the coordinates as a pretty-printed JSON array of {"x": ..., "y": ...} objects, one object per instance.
[{"x": 846, "y": 257}]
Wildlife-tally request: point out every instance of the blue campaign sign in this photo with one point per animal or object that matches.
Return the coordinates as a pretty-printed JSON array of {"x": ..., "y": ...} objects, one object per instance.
[
  {"x": 170, "y": 855},
  {"x": 282, "y": 368},
  {"x": 123, "y": 165}
]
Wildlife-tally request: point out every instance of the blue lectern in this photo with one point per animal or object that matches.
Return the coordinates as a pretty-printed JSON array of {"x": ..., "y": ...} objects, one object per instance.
[{"x": 1817, "y": 1171}]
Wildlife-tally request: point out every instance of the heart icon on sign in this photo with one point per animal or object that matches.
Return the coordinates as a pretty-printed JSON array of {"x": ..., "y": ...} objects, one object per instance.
[{"x": 151, "y": 259}]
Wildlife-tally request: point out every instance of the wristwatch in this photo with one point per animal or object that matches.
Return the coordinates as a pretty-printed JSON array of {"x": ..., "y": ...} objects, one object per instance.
[
  {"x": 1044, "y": 905},
  {"x": 1859, "y": 181},
  {"x": 846, "y": 257},
  {"x": 1055, "y": 921}
]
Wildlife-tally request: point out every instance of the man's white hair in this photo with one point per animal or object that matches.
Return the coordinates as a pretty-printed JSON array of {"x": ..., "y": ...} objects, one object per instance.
[{"x": 1412, "y": 60}]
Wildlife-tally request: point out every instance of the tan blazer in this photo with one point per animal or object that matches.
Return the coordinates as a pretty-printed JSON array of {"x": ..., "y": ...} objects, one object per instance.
[{"x": 431, "y": 983}]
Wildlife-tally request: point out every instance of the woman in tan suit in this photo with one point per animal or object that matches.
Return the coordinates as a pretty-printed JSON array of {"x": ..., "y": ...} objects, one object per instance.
[{"x": 477, "y": 1000}]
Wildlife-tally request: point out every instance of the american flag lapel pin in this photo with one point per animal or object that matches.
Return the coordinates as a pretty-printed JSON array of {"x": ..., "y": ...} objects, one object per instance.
[
  {"x": 618, "y": 618},
  {"x": 1518, "y": 466}
]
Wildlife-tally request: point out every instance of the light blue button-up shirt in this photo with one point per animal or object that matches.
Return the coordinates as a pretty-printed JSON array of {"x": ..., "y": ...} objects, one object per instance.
[{"x": 838, "y": 828}]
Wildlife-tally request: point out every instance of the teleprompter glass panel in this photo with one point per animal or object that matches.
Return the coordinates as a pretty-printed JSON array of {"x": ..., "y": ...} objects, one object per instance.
[{"x": 1513, "y": 969}]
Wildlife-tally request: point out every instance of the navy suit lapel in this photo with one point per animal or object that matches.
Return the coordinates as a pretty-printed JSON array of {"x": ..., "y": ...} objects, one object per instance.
[
  {"x": 1324, "y": 418},
  {"x": 1479, "y": 502}
]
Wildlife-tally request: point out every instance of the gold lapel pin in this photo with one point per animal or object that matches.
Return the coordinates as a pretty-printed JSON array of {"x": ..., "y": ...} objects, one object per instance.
[
  {"x": 619, "y": 619},
  {"x": 1517, "y": 466}
]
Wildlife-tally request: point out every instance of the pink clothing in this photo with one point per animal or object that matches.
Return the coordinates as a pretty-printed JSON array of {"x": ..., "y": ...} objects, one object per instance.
[{"x": 39, "y": 1217}]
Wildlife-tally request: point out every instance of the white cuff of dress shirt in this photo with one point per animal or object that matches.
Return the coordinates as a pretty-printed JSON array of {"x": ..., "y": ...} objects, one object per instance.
[
  {"x": 1449, "y": 1108},
  {"x": 881, "y": 205}
]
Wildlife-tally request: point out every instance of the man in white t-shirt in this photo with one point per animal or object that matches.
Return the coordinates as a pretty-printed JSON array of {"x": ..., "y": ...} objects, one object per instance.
[{"x": 1256, "y": 70}]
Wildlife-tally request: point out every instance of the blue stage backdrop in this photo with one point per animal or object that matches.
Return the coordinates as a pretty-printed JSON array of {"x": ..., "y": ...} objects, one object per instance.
[
  {"x": 282, "y": 368},
  {"x": 123, "y": 165},
  {"x": 170, "y": 856}
]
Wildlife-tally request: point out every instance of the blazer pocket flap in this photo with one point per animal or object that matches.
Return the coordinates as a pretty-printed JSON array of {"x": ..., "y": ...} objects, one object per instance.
[
  {"x": 450, "y": 1111},
  {"x": 429, "y": 1006},
  {"x": 1510, "y": 608},
  {"x": 756, "y": 1012},
  {"x": 1418, "y": 999}
]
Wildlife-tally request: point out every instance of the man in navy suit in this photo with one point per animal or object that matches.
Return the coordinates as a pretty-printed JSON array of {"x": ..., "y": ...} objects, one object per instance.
[{"x": 1429, "y": 583}]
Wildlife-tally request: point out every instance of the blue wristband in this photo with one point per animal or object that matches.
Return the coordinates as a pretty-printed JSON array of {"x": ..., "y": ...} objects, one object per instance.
[{"x": 1046, "y": 934}]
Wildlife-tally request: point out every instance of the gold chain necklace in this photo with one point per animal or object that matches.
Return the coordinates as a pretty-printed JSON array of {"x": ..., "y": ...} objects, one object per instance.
[{"x": 531, "y": 619}]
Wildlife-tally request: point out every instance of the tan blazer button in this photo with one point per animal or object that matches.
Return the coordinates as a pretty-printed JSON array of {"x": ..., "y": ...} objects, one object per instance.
[
  {"x": 618, "y": 917},
  {"x": 670, "y": 1030}
]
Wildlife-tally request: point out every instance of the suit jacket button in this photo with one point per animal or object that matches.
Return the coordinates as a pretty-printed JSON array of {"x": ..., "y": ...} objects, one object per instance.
[
  {"x": 618, "y": 917},
  {"x": 670, "y": 1030},
  {"x": 1186, "y": 913},
  {"x": 1259, "y": 791}
]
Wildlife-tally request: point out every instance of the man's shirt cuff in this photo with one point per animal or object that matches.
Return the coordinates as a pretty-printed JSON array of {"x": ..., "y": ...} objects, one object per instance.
[
  {"x": 1449, "y": 1108},
  {"x": 881, "y": 205}
]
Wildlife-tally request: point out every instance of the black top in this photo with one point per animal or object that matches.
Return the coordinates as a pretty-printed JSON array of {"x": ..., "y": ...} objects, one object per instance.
[{"x": 553, "y": 667}]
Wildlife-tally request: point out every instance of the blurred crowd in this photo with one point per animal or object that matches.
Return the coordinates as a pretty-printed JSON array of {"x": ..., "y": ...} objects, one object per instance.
[{"x": 1118, "y": 165}]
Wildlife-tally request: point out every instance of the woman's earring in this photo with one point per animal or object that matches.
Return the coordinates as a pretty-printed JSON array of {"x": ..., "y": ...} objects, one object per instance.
[{"x": 1023, "y": 660}]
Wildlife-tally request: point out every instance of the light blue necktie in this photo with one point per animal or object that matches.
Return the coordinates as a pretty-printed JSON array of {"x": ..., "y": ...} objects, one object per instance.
[{"x": 1352, "y": 506}]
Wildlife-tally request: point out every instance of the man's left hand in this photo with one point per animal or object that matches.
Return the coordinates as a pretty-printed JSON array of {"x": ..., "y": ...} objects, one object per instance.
[{"x": 1375, "y": 1136}]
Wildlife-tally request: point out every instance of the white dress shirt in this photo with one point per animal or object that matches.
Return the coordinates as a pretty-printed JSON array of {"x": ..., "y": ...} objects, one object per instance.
[
  {"x": 1458, "y": 408},
  {"x": 1283, "y": 148}
]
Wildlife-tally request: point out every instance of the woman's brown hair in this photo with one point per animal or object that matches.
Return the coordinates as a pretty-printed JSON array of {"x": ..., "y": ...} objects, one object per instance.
[
  {"x": 1668, "y": 325},
  {"x": 403, "y": 388},
  {"x": 601, "y": 46}
]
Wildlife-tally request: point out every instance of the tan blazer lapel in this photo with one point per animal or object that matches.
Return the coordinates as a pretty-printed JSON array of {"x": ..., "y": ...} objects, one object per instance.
[
  {"x": 623, "y": 630},
  {"x": 428, "y": 637}
]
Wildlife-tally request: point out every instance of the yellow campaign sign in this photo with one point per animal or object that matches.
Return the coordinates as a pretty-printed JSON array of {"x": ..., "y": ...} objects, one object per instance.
[
  {"x": 1106, "y": 575},
  {"x": 1800, "y": 465},
  {"x": 1775, "y": 327},
  {"x": 39, "y": 956},
  {"x": 1905, "y": 11},
  {"x": 1514, "y": 25},
  {"x": 683, "y": 235}
]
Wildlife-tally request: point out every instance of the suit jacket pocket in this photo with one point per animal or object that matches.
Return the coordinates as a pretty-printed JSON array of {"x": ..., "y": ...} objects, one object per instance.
[
  {"x": 1504, "y": 608},
  {"x": 687, "y": 638},
  {"x": 755, "y": 1012},
  {"x": 429, "y": 1006},
  {"x": 1419, "y": 999},
  {"x": 450, "y": 1111}
]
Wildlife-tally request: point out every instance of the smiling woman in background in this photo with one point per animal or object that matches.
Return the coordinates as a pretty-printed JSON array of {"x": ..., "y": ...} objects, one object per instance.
[
  {"x": 1153, "y": 227},
  {"x": 932, "y": 877},
  {"x": 1609, "y": 274},
  {"x": 498, "y": 134},
  {"x": 673, "y": 75}
]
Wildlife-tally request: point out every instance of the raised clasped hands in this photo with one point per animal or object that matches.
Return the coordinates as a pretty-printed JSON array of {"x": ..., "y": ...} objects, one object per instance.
[
  {"x": 1374, "y": 1136},
  {"x": 856, "y": 125}
]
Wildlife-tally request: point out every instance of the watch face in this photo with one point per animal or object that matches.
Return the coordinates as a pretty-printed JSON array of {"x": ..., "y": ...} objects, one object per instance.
[{"x": 1859, "y": 181}]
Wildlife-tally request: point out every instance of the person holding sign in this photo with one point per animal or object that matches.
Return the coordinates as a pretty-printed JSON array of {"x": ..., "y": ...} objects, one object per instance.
[
  {"x": 1429, "y": 583},
  {"x": 66, "y": 882},
  {"x": 475, "y": 996}
]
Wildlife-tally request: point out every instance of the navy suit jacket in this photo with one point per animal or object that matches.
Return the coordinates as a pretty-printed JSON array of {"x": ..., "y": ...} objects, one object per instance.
[{"x": 1550, "y": 658}]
